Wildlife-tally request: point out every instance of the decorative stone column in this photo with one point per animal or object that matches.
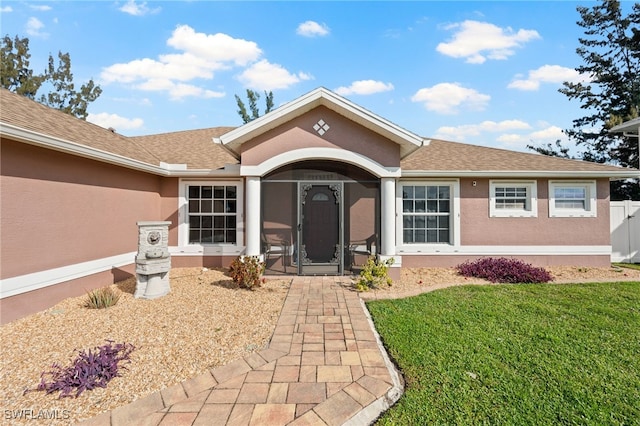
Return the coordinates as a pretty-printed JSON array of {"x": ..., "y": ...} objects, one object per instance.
[{"x": 153, "y": 262}]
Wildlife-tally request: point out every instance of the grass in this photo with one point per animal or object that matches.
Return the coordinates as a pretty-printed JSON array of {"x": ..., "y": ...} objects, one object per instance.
[{"x": 540, "y": 354}]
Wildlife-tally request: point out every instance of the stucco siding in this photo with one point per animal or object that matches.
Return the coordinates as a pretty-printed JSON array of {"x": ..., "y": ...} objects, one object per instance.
[
  {"x": 478, "y": 228},
  {"x": 449, "y": 261},
  {"x": 299, "y": 133},
  {"x": 59, "y": 210},
  {"x": 169, "y": 194}
]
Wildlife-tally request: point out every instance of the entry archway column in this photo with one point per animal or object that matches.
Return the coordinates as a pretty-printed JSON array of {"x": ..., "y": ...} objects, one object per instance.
[
  {"x": 388, "y": 216},
  {"x": 252, "y": 215}
]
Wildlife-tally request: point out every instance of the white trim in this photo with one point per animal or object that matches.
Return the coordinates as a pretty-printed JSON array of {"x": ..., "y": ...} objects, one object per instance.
[
  {"x": 454, "y": 215},
  {"x": 590, "y": 201},
  {"x": 206, "y": 250},
  {"x": 36, "y": 280},
  {"x": 302, "y": 154},
  {"x": 519, "y": 174},
  {"x": 444, "y": 249},
  {"x": 183, "y": 215},
  {"x": 532, "y": 198}
]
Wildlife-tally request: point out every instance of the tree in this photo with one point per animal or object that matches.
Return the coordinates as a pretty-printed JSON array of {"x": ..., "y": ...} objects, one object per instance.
[
  {"x": 15, "y": 73},
  {"x": 610, "y": 94},
  {"x": 253, "y": 97},
  {"x": 64, "y": 96},
  {"x": 17, "y": 76}
]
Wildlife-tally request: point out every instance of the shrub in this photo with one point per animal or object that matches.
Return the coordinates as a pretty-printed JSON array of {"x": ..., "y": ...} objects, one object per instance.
[
  {"x": 374, "y": 274},
  {"x": 89, "y": 370},
  {"x": 246, "y": 271},
  {"x": 503, "y": 270},
  {"x": 102, "y": 298}
]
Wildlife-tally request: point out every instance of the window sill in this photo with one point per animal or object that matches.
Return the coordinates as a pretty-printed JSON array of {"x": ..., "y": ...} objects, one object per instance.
[{"x": 207, "y": 250}]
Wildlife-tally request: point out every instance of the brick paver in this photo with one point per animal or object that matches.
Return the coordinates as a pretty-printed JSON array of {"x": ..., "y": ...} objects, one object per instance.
[{"x": 324, "y": 365}]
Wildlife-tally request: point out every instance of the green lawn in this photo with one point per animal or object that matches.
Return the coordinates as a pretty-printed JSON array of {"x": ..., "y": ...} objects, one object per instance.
[{"x": 541, "y": 354}]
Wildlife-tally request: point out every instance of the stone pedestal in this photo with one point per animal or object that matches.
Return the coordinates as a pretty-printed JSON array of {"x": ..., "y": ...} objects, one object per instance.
[{"x": 153, "y": 262}]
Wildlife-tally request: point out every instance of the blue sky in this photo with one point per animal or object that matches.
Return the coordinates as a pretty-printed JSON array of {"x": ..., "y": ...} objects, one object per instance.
[{"x": 481, "y": 72}]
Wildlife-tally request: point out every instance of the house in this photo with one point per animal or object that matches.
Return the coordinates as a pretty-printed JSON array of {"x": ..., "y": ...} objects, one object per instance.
[{"x": 315, "y": 186}]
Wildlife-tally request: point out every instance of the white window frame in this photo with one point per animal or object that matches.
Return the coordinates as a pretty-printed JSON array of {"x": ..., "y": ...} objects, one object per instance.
[
  {"x": 590, "y": 199},
  {"x": 183, "y": 218},
  {"x": 454, "y": 218},
  {"x": 532, "y": 198}
]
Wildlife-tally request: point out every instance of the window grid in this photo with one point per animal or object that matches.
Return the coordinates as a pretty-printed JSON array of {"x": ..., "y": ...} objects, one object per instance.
[
  {"x": 511, "y": 198},
  {"x": 570, "y": 197},
  {"x": 212, "y": 213},
  {"x": 426, "y": 213}
]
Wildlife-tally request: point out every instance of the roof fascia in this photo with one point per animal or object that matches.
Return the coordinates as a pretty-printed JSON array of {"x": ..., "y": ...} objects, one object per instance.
[
  {"x": 313, "y": 99},
  {"x": 622, "y": 174},
  {"x": 628, "y": 126},
  {"x": 44, "y": 141}
]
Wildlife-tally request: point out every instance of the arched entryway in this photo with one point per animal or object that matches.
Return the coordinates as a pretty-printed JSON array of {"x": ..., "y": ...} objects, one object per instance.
[{"x": 319, "y": 218}]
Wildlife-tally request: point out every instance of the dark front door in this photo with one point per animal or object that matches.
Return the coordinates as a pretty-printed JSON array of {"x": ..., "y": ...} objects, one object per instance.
[{"x": 320, "y": 217}]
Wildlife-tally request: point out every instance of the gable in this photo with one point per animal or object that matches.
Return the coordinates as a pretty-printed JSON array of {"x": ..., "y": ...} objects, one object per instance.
[
  {"x": 407, "y": 141},
  {"x": 333, "y": 131}
]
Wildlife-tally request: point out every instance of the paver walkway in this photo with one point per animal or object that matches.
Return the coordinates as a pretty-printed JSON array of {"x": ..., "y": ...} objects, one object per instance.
[{"x": 325, "y": 365}]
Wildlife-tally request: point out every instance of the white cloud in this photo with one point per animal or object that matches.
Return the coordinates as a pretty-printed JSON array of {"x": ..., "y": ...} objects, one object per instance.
[
  {"x": 364, "y": 87},
  {"x": 312, "y": 29},
  {"x": 115, "y": 121},
  {"x": 34, "y": 28},
  {"x": 6, "y": 9},
  {"x": 40, "y": 7},
  {"x": 449, "y": 98},
  {"x": 138, "y": 9},
  {"x": 178, "y": 91},
  {"x": 264, "y": 75},
  {"x": 554, "y": 74},
  {"x": 511, "y": 134},
  {"x": 217, "y": 48},
  {"x": 199, "y": 57},
  {"x": 478, "y": 41},
  {"x": 459, "y": 133}
]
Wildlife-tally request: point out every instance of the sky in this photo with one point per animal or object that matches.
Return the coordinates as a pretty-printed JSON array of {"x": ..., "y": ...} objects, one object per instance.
[{"x": 479, "y": 72}]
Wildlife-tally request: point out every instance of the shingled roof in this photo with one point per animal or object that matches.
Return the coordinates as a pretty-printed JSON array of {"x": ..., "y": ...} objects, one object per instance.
[
  {"x": 23, "y": 113},
  {"x": 30, "y": 121},
  {"x": 444, "y": 156},
  {"x": 195, "y": 148}
]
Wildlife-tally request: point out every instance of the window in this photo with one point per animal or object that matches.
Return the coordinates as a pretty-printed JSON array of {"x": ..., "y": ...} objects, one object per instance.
[
  {"x": 212, "y": 213},
  {"x": 513, "y": 199},
  {"x": 567, "y": 199},
  {"x": 426, "y": 214}
]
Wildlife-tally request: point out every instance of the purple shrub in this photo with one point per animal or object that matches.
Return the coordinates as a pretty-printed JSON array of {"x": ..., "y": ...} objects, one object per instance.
[
  {"x": 503, "y": 270},
  {"x": 89, "y": 370}
]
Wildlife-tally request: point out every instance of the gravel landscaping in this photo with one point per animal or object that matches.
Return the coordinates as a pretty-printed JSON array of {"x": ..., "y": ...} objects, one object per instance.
[{"x": 204, "y": 322}]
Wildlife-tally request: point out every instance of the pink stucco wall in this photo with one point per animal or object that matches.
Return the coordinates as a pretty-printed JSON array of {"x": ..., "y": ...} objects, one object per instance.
[
  {"x": 21, "y": 305},
  {"x": 299, "y": 133},
  {"x": 477, "y": 228},
  {"x": 60, "y": 210},
  {"x": 449, "y": 261}
]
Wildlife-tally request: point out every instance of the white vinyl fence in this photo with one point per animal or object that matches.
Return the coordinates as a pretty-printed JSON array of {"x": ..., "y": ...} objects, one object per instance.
[{"x": 625, "y": 231}]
